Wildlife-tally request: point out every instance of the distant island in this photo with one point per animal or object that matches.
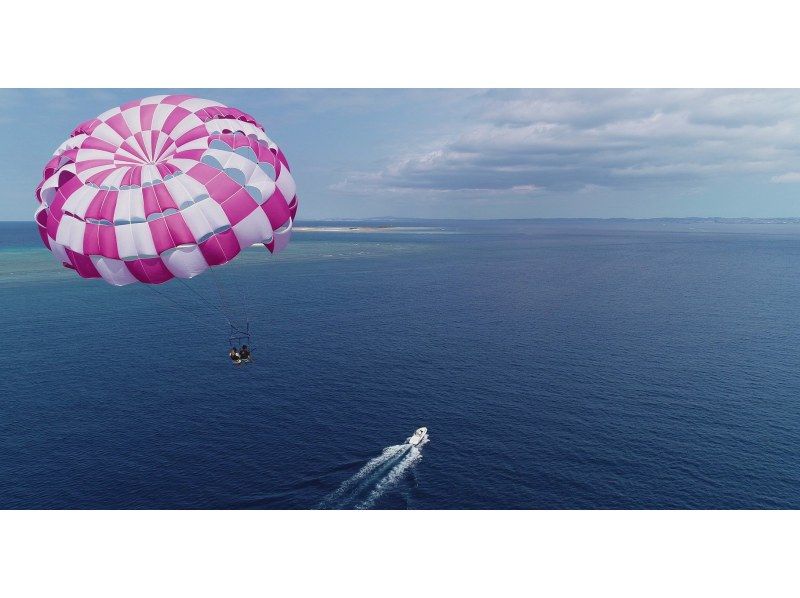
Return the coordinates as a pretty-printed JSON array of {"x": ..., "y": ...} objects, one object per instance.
[{"x": 384, "y": 228}]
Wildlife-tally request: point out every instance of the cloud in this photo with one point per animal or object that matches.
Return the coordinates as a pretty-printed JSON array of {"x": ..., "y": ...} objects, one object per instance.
[
  {"x": 789, "y": 177},
  {"x": 594, "y": 141}
]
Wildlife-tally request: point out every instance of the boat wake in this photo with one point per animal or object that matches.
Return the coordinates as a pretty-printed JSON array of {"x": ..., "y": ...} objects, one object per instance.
[{"x": 380, "y": 474}]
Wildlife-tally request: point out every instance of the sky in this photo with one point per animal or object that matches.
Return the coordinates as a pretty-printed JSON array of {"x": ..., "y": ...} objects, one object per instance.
[{"x": 365, "y": 153}]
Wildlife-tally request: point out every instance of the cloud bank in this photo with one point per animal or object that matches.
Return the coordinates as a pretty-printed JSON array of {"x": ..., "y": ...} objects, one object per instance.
[{"x": 557, "y": 142}]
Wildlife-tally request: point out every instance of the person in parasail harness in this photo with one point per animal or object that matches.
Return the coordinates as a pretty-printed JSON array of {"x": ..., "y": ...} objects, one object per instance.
[
  {"x": 234, "y": 355},
  {"x": 245, "y": 353}
]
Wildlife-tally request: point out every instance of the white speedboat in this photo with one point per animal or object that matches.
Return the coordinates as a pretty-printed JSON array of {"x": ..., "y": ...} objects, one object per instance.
[{"x": 418, "y": 436}]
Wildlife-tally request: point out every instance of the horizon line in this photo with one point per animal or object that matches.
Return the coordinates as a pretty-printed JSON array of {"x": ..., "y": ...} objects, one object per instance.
[{"x": 597, "y": 218}]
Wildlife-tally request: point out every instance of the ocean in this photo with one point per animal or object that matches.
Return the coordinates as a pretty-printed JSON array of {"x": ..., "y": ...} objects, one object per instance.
[{"x": 557, "y": 365}]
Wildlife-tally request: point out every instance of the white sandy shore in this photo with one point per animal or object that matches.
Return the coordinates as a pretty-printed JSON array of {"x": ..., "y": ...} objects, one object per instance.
[{"x": 363, "y": 229}]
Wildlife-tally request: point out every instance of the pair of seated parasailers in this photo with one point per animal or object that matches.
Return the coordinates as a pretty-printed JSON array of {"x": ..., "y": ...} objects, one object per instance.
[{"x": 239, "y": 355}]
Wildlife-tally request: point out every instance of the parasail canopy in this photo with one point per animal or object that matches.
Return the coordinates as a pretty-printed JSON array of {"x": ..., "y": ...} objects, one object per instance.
[{"x": 164, "y": 187}]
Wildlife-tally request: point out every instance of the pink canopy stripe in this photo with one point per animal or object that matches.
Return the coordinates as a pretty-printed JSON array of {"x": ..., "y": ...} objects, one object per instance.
[{"x": 164, "y": 187}]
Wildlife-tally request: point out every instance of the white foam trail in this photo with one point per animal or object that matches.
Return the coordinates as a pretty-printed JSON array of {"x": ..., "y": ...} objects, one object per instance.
[
  {"x": 393, "y": 476},
  {"x": 376, "y": 477},
  {"x": 351, "y": 484}
]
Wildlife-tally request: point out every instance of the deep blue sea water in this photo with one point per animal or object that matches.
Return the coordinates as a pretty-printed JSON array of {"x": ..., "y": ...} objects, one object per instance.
[{"x": 557, "y": 364}]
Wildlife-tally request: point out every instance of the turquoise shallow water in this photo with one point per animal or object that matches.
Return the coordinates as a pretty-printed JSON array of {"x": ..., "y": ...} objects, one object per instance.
[{"x": 557, "y": 365}]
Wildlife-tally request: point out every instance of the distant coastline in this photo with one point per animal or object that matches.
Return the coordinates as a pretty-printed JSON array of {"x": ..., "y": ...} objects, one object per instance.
[
  {"x": 365, "y": 229},
  {"x": 387, "y": 222},
  {"x": 393, "y": 223}
]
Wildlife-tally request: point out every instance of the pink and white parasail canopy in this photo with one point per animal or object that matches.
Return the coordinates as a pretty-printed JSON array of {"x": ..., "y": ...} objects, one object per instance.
[{"x": 164, "y": 187}]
